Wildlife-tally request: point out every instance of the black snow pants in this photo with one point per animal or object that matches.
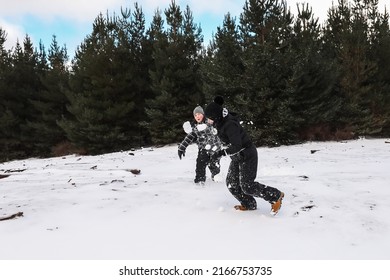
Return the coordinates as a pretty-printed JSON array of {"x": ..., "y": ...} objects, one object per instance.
[
  {"x": 202, "y": 162},
  {"x": 241, "y": 180}
]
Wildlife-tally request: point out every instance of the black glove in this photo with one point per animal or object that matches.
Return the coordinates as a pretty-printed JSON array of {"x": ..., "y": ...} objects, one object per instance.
[
  {"x": 217, "y": 155},
  {"x": 181, "y": 153}
]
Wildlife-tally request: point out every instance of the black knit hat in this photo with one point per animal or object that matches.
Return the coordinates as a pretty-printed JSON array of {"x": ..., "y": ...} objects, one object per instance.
[
  {"x": 219, "y": 100},
  {"x": 214, "y": 110}
]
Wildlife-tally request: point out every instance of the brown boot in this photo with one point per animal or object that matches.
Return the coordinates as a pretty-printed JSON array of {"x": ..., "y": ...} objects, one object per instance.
[
  {"x": 275, "y": 207},
  {"x": 240, "y": 207}
]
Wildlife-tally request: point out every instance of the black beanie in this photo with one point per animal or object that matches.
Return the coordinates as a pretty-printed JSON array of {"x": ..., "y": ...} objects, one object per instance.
[
  {"x": 219, "y": 100},
  {"x": 214, "y": 110}
]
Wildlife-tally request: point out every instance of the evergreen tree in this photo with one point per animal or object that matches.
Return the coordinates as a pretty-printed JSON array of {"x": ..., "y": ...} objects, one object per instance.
[
  {"x": 5, "y": 66},
  {"x": 103, "y": 95},
  {"x": 175, "y": 75},
  {"x": 346, "y": 38},
  {"x": 313, "y": 80},
  {"x": 223, "y": 68},
  {"x": 22, "y": 84},
  {"x": 379, "y": 53},
  {"x": 7, "y": 121},
  {"x": 51, "y": 101},
  {"x": 266, "y": 27},
  {"x": 134, "y": 44}
]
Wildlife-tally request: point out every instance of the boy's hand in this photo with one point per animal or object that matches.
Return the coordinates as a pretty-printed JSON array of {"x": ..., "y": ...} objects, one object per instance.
[
  {"x": 181, "y": 153},
  {"x": 218, "y": 155}
]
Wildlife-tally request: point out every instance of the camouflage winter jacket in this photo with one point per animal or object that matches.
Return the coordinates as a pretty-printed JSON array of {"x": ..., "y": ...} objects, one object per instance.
[{"x": 204, "y": 135}]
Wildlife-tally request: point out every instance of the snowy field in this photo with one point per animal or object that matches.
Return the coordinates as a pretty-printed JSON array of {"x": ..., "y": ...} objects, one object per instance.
[{"x": 336, "y": 206}]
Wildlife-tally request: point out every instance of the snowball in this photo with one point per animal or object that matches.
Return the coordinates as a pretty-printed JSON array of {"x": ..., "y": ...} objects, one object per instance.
[{"x": 187, "y": 127}]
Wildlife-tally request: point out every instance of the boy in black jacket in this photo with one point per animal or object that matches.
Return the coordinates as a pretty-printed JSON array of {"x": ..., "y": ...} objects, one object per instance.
[{"x": 243, "y": 167}]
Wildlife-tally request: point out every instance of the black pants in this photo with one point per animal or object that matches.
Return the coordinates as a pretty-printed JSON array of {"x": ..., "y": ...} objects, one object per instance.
[
  {"x": 202, "y": 162},
  {"x": 241, "y": 180}
]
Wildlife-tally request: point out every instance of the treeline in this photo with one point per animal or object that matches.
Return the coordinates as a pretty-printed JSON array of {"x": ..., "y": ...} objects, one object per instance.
[{"x": 288, "y": 77}]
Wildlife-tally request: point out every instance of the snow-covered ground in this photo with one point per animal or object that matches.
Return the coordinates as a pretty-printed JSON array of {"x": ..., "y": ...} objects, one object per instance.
[{"x": 336, "y": 206}]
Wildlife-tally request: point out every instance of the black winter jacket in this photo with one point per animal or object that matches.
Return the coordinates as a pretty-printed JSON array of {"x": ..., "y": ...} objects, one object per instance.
[{"x": 233, "y": 135}]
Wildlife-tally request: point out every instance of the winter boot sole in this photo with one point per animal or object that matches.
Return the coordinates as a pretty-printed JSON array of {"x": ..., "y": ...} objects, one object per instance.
[{"x": 275, "y": 207}]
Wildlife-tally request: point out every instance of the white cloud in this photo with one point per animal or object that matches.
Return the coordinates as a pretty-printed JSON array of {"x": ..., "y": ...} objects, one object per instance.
[
  {"x": 216, "y": 7},
  {"x": 13, "y": 33},
  {"x": 83, "y": 12},
  {"x": 79, "y": 10},
  {"x": 86, "y": 10},
  {"x": 320, "y": 8}
]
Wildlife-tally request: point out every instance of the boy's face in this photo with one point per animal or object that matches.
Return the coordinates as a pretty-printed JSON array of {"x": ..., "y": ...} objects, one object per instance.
[{"x": 198, "y": 117}]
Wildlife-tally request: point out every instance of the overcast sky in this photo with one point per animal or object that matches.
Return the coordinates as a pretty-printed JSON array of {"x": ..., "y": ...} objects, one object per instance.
[{"x": 71, "y": 20}]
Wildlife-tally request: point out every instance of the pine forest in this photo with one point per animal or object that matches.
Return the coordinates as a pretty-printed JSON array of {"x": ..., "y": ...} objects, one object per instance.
[{"x": 130, "y": 84}]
